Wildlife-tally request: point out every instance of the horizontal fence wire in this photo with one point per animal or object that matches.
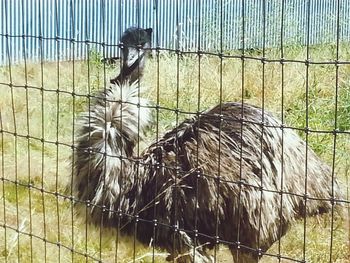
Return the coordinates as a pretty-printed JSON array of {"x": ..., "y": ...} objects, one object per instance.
[{"x": 21, "y": 28}]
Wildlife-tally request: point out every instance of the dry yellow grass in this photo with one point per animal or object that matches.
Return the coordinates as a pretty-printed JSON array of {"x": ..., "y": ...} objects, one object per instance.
[{"x": 44, "y": 210}]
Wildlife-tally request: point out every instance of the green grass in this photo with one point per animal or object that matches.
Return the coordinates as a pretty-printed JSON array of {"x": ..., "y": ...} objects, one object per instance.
[{"x": 44, "y": 113}]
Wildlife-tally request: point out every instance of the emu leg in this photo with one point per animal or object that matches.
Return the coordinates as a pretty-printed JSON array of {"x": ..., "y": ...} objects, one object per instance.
[
  {"x": 242, "y": 256},
  {"x": 185, "y": 251}
]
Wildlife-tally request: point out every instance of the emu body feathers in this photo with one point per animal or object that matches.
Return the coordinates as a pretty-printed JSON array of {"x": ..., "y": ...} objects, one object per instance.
[{"x": 231, "y": 173}]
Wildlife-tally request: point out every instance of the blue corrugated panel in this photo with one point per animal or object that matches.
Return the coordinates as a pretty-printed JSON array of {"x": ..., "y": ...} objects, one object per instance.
[{"x": 93, "y": 22}]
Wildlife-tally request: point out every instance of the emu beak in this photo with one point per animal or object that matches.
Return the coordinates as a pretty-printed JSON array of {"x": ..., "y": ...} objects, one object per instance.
[
  {"x": 133, "y": 56},
  {"x": 133, "y": 63}
]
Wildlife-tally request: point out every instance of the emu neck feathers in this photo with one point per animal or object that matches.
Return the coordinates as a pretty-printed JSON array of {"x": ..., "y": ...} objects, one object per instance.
[{"x": 106, "y": 138}]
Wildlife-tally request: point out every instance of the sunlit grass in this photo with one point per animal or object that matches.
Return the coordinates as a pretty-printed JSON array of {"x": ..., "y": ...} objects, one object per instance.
[{"x": 38, "y": 112}]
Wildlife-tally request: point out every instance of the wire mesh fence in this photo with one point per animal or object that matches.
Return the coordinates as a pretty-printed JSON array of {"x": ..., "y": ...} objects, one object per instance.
[{"x": 179, "y": 165}]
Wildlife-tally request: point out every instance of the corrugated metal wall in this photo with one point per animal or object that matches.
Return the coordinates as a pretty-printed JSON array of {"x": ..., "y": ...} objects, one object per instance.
[{"x": 48, "y": 29}]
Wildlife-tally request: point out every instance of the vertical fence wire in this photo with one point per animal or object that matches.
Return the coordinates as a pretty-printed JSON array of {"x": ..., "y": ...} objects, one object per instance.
[
  {"x": 239, "y": 247},
  {"x": 29, "y": 157},
  {"x": 307, "y": 89},
  {"x": 258, "y": 250},
  {"x": 89, "y": 91},
  {"x": 136, "y": 216},
  {"x": 40, "y": 9},
  {"x": 119, "y": 216},
  {"x": 56, "y": 49},
  {"x": 5, "y": 39},
  {"x": 100, "y": 8},
  {"x": 216, "y": 238},
  {"x": 158, "y": 167},
  {"x": 335, "y": 131},
  {"x": 176, "y": 181},
  {"x": 281, "y": 190},
  {"x": 71, "y": 19},
  {"x": 9, "y": 51},
  {"x": 198, "y": 136}
]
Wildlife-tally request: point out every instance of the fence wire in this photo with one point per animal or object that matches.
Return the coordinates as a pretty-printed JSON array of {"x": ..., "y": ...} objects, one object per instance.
[{"x": 304, "y": 83}]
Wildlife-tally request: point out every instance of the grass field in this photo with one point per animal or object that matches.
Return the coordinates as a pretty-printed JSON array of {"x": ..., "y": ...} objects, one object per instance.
[{"x": 37, "y": 119}]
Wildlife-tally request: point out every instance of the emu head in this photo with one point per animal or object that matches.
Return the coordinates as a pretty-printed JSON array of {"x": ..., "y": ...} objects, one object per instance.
[{"x": 135, "y": 44}]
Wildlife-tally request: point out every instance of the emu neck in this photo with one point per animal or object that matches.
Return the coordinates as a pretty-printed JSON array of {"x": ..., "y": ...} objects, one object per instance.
[{"x": 131, "y": 73}]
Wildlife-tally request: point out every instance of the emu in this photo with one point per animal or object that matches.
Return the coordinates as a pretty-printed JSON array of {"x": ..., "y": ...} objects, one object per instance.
[{"x": 231, "y": 175}]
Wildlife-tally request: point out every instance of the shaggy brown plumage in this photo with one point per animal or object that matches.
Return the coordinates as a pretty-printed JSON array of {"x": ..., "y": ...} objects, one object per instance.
[{"x": 231, "y": 175}]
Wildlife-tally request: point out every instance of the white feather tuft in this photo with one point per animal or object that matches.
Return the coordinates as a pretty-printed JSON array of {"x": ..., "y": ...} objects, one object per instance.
[{"x": 107, "y": 136}]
